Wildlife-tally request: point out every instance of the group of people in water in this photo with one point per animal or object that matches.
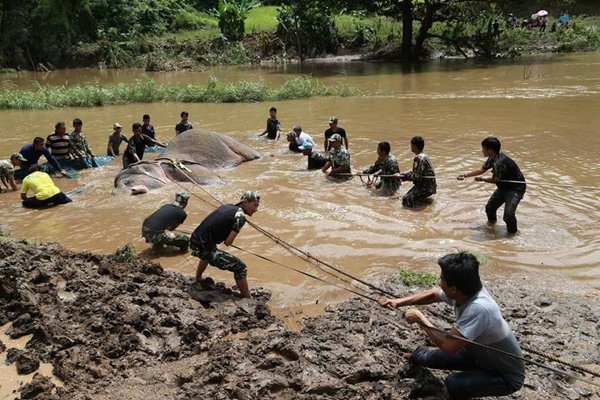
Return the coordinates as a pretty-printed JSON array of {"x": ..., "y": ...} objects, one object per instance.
[{"x": 479, "y": 319}]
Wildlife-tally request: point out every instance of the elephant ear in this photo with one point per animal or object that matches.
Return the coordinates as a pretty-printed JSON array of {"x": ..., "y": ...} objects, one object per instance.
[{"x": 208, "y": 148}]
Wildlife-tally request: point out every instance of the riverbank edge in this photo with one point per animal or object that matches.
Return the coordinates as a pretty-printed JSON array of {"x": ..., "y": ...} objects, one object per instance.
[{"x": 118, "y": 325}]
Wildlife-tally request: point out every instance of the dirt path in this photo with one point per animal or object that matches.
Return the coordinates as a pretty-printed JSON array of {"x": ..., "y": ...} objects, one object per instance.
[{"x": 131, "y": 330}]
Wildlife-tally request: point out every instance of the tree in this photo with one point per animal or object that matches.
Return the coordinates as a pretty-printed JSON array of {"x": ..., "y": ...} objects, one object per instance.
[{"x": 231, "y": 15}]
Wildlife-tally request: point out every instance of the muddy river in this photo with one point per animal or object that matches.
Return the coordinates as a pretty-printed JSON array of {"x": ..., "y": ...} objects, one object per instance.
[{"x": 545, "y": 111}]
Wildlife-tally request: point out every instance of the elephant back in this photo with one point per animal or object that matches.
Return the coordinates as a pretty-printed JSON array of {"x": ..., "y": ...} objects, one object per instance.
[{"x": 209, "y": 149}]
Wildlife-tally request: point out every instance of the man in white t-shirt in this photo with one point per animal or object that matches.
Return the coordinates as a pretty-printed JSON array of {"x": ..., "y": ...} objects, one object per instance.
[
  {"x": 484, "y": 372},
  {"x": 297, "y": 137}
]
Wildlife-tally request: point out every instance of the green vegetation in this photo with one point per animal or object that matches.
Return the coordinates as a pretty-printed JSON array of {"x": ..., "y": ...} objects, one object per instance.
[
  {"x": 146, "y": 91},
  {"x": 414, "y": 278},
  {"x": 125, "y": 253},
  {"x": 188, "y": 34}
]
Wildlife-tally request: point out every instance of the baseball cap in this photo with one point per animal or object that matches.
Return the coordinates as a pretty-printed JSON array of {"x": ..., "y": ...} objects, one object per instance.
[
  {"x": 333, "y": 120},
  {"x": 182, "y": 197},
  {"x": 18, "y": 156},
  {"x": 305, "y": 146},
  {"x": 250, "y": 196},
  {"x": 335, "y": 138},
  {"x": 117, "y": 125}
]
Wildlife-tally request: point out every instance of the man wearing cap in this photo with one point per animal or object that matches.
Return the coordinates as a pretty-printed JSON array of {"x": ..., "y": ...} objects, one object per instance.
[
  {"x": 32, "y": 153},
  {"x": 45, "y": 191},
  {"x": 157, "y": 228},
  {"x": 7, "y": 170},
  {"x": 222, "y": 226},
  {"x": 386, "y": 164},
  {"x": 297, "y": 137},
  {"x": 339, "y": 157},
  {"x": 333, "y": 129},
  {"x": 115, "y": 139},
  {"x": 316, "y": 160}
]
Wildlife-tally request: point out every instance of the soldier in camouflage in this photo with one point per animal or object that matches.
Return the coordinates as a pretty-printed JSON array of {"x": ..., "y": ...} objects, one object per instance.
[
  {"x": 386, "y": 164},
  {"x": 222, "y": 226},
  {"x": 157, "y": 228},
  {"x": 422, "y": 175},
  {"x": 339, "y": 158}
]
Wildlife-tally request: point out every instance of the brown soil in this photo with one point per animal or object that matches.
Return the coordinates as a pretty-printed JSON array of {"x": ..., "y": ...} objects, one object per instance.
[{"x": 132, "y": 330}]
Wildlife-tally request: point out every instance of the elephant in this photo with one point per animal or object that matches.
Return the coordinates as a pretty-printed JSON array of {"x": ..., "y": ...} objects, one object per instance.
[{"x": 195, "y": 154}]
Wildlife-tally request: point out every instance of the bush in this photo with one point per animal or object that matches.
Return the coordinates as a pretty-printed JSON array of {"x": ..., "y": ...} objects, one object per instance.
[
  {"x": 308, "y": 27},
  {"x": 231, "y": 15},
  {"x": 186, "y": 20}
]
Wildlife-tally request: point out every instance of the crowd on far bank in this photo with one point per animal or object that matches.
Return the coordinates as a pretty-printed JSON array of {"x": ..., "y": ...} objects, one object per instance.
[{"x": 538, "y": 20}]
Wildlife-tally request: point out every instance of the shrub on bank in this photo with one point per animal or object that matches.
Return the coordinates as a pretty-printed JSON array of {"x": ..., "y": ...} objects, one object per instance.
[{"x": 148, "y": 91}]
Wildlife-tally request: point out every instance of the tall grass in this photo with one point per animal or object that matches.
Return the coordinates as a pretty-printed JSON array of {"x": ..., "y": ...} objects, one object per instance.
[{"x": 148, "y": 91}]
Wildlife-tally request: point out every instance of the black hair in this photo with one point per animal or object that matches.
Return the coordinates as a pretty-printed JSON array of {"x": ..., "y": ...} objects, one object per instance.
[
  {"x": 491, "y": 143},
  {"x": 59, "y": 125},
  {"x": 146, "y": 116},
  {"x": 77, "y": 121},
  {"x": 461, "y": 270},
  {"x": 136, "y": 126},
  {"x": 385, "y": 147},
  {"x": 184, "y": 113},
  {"x": 272, "y": 109},
  {"x": 39, "y": 140},
  {"x": 419, "y": 142}
]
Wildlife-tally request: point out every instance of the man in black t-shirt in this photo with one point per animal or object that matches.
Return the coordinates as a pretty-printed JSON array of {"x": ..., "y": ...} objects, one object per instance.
[
  {"x": 184, "y": 124},
  {"x": 334, "y": 128},
  {"x": 507, "y": 176},
  {"x": 316, "y": 160},
  {"x": 222, "y": 226},
  {"x": 157, "y": 228},
  {"x": 137, "y": 144},
  {"x": 147, "y": 128}
]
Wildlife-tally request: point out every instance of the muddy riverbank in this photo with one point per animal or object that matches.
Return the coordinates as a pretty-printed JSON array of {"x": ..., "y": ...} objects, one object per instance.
[{"x": 121, "y": 327}]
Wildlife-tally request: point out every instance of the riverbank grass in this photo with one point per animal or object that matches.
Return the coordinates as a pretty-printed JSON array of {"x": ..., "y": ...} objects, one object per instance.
[
  {"x": 416, "y": 278},
  {"x": 148, "y": 91}
]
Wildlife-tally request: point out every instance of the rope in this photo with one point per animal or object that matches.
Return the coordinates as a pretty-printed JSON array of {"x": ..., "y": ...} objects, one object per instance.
[
  {"x": 386, "y": 292},
  {"x": 560, "y": 361}
]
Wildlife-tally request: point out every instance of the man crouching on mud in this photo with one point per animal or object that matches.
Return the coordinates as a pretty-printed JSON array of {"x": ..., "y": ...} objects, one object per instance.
[
  {"x": 223, "y": 226},
  {"x": 485, "y": 372}
]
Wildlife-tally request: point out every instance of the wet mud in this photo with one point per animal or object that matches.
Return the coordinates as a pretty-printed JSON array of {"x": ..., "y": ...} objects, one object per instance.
[{"x": 132, "y": 330}]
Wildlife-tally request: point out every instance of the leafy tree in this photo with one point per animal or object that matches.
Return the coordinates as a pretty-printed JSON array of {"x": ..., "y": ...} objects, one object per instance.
[
  {"x": 308, "y": 27},
  {"x": 231, "y": 15}
]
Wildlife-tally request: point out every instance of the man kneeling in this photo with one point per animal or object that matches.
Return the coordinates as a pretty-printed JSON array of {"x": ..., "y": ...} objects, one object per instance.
[
  {"x": 46, "y": 193},
  {"x": 485, "y": 372},
  {"x": 157, "y": 228},
  {"x": 222, "y": 226}
]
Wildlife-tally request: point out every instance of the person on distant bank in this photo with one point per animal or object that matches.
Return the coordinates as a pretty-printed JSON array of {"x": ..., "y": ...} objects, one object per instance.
[{"x": 44, "y": 190}]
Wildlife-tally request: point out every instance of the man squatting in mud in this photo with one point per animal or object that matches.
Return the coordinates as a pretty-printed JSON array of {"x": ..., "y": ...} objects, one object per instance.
[
  {"x": 484, "y": 372},
  {"x": 222, "y": 226},
  {"x": 157, "y": 228}
]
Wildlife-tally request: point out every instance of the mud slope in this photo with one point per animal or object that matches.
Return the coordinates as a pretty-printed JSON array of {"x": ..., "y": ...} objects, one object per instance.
[{"x": 114, "y": 328}]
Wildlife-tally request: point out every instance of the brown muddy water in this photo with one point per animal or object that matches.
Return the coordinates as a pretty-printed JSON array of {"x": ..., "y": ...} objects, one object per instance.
[{"x": 545, "y": 111}]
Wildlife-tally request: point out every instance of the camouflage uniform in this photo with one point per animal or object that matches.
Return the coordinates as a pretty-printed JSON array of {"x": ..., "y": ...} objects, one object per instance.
[
  {"x": 423, "y": 178},
  {"x": 166, "y": 238},
  {"x": 6, "y": 169},
  {"x": 339, "y": 157},
  {"x": 222, "y": 259},
  {"x": 80, "y": 148},
  {"x": 386, "y": 166}
]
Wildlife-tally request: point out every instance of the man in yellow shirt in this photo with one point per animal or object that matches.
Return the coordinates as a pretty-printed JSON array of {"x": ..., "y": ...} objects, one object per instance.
[{"x": 45, "y": 191}]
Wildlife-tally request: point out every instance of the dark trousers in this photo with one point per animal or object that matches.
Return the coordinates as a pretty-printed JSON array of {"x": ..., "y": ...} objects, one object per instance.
[
  {"x": 415, "y": 195},
  {"x": 510, "y": 199},
  {"x": 472, "y": 382},
  {"x": 59, "y": 198}
]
